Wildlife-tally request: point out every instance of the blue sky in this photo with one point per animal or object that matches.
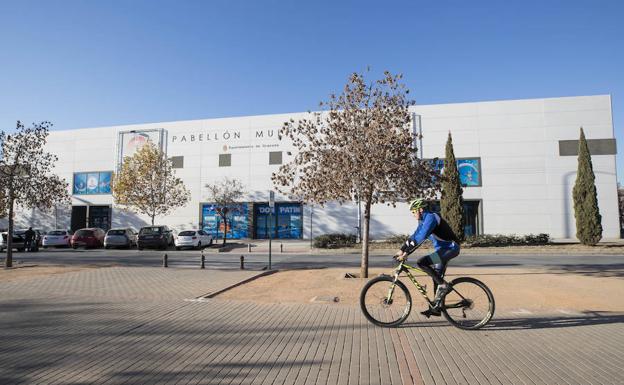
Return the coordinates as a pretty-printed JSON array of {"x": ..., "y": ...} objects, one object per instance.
[{"x": 99, "y": 63}]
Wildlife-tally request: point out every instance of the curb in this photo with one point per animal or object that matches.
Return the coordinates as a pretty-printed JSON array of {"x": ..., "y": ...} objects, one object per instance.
[{"x": 216, "y": 293}]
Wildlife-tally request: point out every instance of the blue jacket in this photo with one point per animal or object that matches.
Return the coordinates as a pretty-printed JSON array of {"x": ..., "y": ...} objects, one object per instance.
[{"x": 428, "y": 223}]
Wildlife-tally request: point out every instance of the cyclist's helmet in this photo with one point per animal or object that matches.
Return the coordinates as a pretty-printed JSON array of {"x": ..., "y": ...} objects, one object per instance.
[{"x": 417, "y": 203}]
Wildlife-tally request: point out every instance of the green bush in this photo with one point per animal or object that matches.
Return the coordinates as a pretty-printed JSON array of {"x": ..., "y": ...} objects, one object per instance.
[
  {"x": 334, "y": 241},
  {"x": 500, "y": 240},
  {"x": 397, "y": 239}
]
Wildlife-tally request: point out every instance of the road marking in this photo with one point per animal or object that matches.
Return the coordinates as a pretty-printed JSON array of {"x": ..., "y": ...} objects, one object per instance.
[
  {"x": 201, "y": 299},
  {"x": 569, "y": 312},
  {"x": 522, "y": 311}
]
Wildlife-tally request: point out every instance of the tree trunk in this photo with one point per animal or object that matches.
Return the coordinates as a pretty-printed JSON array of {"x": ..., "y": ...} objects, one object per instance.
[
  {"x": 9, "y": 256},
  {"x": 153, "y": 216},
  {"x": 365, "y": 238}
]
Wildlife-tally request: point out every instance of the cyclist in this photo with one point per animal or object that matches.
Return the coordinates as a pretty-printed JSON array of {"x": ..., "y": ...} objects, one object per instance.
[{"x": 446, "y": 247}]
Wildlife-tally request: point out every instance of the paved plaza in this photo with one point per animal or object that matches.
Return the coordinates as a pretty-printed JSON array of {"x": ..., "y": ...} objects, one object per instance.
[{"x": 149, "y": 325}]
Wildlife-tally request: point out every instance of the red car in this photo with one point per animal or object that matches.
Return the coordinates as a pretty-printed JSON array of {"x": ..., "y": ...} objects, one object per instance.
[{"x": 88, "y": 238}]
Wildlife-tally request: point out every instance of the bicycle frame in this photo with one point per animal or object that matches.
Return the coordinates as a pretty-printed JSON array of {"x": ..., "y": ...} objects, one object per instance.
[{"x": 403, "y": 267}]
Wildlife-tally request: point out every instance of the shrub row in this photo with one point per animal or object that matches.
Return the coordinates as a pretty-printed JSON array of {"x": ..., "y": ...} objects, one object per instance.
[
  {"x": 334, "y": 241},
  {"x": 500, "y": 240},
  {"x": 337, "y": 240}
]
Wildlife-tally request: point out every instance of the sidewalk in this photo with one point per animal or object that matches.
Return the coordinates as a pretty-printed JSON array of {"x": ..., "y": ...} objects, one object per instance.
[{"x": 107, "y": 327}]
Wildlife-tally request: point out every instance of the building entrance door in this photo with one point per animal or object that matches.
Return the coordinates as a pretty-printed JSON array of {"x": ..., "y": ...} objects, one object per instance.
[
  {"x": 78, "y": 217},
  {"x": 100, "y": 216},
  {"x": 284, "y": 221},
  {"x": 471, "y": 217}
]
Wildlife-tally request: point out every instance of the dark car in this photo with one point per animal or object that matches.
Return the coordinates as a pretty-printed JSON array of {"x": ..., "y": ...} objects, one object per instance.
[
  {"x": 89, "y": 238},
  {"x": 155, "y": 236},
  {"x": 19, "y": 243}
]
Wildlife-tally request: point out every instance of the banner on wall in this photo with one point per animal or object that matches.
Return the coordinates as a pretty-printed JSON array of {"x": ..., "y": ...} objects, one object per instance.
[
  {"x": 129, "y": 142},
  {"x": 86, "y": 183},
  {"x": 469, "y": 170},
  {"x": 237, "y": 221}
]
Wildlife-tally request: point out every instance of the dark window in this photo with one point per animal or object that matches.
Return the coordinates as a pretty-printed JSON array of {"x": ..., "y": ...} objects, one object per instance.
[
  {"x": 596, "y": 147},
  {"x": 187, "y": 233},
  {"x": 117, "y": 232},
  {"x": 84, "y": 233},
  {"x": 275, "y": 157},
  {"x": 177, "y": 161},
  {"x": 225, "y": 160}
]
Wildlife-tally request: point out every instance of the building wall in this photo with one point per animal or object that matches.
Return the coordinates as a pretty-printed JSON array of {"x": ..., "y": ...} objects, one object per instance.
[{"x": 526, "y": 185}]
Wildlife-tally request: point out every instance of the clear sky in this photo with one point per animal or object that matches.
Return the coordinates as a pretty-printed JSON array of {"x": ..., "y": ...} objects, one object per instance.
[{"x": 99, "y": 63}]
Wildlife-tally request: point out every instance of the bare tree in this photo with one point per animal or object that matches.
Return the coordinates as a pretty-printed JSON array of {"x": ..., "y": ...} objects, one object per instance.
[
  {"x": 361, "y": 147},
  {"x": 147, "y": 183},
  {"x": 26, "y": 177},
  {"x": 224, "y": 194}
]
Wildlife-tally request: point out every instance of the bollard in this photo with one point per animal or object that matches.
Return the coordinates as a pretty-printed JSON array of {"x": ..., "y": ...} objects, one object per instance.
[
  {"x": 242, "y": 259},
  {"x": 249, "y": 247},
  {"x": 281, "y": 247},
  {"x": 203, "y": 261},
  {"x": 165, "y": 262}
]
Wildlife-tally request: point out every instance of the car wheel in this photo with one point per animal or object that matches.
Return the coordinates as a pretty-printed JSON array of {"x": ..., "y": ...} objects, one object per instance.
[
  {"x": 74, "y": 247},
  {"x": 210, "y": 244},
  {"x": 178, "y": 248},
  {"x": 199, "y": 245},
  {"x": 140, "y": 248}
]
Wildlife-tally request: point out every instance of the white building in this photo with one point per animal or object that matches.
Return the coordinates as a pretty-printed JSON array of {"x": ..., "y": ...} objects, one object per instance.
[{"x": 517, "y": 157}]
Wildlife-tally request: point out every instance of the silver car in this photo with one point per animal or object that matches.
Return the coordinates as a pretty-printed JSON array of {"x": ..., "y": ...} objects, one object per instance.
[{"x": 120, "y": 238}]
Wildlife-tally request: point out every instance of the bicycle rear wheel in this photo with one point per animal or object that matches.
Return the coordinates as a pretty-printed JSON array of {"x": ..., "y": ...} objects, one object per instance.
[
  {"x": 385, "y": 303},
  {"x": 469, "y": 305}
]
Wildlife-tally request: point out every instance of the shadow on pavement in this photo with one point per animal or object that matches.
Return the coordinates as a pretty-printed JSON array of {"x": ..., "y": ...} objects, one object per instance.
[
  {"x": 610, "y": 270},
  {"x": 586, "y": 319}
]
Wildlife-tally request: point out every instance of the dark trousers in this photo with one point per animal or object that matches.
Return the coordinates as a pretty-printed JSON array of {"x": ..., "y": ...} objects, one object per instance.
[{"x": 435, "y": 264}]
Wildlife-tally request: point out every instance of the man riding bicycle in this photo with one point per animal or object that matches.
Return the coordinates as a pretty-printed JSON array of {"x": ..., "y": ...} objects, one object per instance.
[{"x": 445, "y": 243}]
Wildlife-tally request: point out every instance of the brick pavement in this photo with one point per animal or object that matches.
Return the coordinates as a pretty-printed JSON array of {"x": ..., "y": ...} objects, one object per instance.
[{"x": 133, "y": 326}]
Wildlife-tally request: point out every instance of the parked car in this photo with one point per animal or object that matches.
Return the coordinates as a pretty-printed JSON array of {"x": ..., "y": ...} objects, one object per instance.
[
  {"x": 57, "y": 238},
  {"x": 37, "y": 242},
  {"x": 88, "y": 238},
  {"x": 120, "y": 238},
  {"x": 193, "y": 238},
  {"x": 19, "y": 243},
  {"x": 155, "y": 236}
]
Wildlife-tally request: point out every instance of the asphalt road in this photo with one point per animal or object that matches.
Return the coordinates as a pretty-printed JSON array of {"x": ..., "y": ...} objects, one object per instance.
[{"x": 258, "y": 261}]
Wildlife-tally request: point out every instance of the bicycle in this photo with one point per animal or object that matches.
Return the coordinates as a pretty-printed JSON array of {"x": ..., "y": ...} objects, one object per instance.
[{"x": 468, "y": 303}]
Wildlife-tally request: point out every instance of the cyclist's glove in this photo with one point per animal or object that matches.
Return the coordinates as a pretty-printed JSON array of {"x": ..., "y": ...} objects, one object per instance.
[{"x": 409, "y": 246}]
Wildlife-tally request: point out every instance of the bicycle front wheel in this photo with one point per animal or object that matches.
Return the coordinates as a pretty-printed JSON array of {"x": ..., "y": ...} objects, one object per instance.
[
  {"x": 384, "y": 302},
  {"x": 469, "y": 304}
]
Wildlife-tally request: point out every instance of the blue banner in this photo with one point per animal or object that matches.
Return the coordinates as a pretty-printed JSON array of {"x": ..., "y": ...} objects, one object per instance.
[
  {"x": 92, "y": 183},
  {"x": 237, "y": 221},
  {"x": 469, "y": 170}
]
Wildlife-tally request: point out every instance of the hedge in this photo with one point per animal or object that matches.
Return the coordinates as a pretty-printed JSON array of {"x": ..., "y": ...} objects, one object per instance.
[
  {"x": 334, "y": 241},
  {"x": 500, "y": 240}
]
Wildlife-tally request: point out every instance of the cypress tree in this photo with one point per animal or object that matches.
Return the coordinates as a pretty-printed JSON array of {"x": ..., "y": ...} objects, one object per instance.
[
  {"x": 451, "y": 201},
  {"x": 586, "y": 212}
]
